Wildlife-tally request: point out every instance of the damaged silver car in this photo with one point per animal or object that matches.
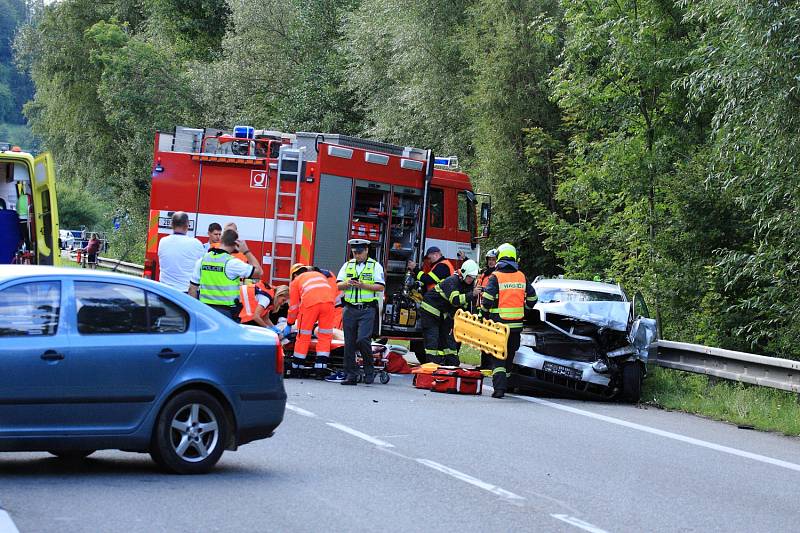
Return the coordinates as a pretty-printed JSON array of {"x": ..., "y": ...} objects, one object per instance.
[{"x": 585, "y": 337}]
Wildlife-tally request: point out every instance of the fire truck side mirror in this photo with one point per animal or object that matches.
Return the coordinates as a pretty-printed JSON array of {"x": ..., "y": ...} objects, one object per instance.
[{"x": 486, "y": 218}]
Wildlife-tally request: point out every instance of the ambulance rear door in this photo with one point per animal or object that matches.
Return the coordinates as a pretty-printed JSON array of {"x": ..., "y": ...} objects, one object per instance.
[{"x": 45, "y": 210}]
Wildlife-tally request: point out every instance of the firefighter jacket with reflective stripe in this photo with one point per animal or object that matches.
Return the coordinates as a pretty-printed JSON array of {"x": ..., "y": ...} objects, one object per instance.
[
  {"x": 440, "y": 270},
  {"x": 507, "y": 295},
  {"x": 447, "y": 296},
  {"x": 307, "y": 289},
  {"x": 216, "y": 288},
  {"x": 355, "y": 295},
  {"x": 247, "y": 297},
  {"x": 483, "y": 281}
]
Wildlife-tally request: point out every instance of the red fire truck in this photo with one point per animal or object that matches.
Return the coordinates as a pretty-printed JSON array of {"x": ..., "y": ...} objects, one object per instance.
[{"x": 300, "y": 197}]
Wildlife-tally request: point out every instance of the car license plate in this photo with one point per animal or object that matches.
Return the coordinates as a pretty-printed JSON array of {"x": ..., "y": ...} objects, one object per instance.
[{"x": 562, "y": 370}]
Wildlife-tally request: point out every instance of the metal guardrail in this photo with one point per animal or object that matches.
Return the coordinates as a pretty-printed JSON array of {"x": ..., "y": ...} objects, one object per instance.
[
  {"x": 760, "y": 370},
  {"x": 106, "y": 263},
  {"x": 120, "y": 266}
]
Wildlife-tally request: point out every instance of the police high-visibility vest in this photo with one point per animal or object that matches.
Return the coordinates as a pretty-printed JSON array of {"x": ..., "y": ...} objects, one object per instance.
[
  {"x": 510, "y": 298},
  {"x": 355, "y": 295},
  {"x": 247, "y": 297},
  {"x": 215, "y": 286}
]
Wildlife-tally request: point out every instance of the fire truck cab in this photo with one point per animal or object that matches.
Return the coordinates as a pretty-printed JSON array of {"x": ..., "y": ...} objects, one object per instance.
[{"x": 300, "y": 198}]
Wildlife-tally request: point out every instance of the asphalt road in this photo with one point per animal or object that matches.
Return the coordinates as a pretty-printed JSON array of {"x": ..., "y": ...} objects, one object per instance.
[{"x": 394, "y": 458}]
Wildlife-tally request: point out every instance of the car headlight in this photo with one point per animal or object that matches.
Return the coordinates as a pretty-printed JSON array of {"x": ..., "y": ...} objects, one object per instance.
[{"x": 527, "y": 340}]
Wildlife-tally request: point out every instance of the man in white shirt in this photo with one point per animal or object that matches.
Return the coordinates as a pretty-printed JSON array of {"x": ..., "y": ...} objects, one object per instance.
[{"x": 178, "y": 253}]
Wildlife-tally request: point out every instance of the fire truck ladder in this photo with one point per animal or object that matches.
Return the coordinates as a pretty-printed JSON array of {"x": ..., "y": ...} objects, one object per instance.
[{"x": 290, "y": 168}]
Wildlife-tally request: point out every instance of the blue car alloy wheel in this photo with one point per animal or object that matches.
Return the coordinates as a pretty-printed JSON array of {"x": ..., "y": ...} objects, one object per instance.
[{"x": 190, "y": 433}]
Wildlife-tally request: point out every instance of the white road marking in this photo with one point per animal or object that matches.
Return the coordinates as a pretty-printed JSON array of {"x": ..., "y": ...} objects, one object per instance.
[
  {"x": 494, "y": 489},
  {"x": 300, "y": 411},
  {"x": 6, "y": 524},
  {"x": 577, "y": 522},
  {"x": 661, "y": 433},
  {"x": 363, "y": 436}
]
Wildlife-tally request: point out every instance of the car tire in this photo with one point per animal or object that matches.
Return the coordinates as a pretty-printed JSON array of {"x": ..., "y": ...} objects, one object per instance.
[
  {"x": 632, "y": 382},
  {"x": 71, "y": 455},
  {"x": 190, "y": 433}
]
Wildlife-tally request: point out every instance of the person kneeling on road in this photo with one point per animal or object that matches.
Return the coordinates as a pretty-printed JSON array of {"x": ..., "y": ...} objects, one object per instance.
[
  {"x": 259, "y": 300},
  {"x": 216, "y": 275},
  {"x": 311, "y": 296},
  {"x": 438, "y": 307}
]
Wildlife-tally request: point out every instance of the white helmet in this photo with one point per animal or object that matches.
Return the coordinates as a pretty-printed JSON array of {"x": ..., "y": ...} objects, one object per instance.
[
  {"x": 469, "y": 268},
  {"x": 492, "y": 253}
]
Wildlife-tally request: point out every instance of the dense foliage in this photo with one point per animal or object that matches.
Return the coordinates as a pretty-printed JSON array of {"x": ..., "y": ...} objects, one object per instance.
[{"x": 649, "y": 141}]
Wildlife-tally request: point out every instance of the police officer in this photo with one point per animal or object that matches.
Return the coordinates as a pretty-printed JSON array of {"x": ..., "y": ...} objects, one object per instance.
[
  {"x": 440, "y": 268},
  {"x": 480, "y": 284},
  {"x": 505, "y": 298},
  {"x": 437, "y": 309},
  {"x": 216, "y": 275},
  {"x": 361, "y": 279}
]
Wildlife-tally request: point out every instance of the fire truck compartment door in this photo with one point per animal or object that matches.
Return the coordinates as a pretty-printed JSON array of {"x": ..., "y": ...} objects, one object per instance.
[{"x": 333, "y": 222}]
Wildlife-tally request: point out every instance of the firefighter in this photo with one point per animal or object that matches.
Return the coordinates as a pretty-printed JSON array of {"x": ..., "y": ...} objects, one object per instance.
[
  {"x": 361, "y": 279},
  {"x": 437, "y": 309},
  {"x": 480, "y": 284},
  {"x": 505, "y": 298},
  {"x": 216, "y": 276},
  {"x": 311, "y": 296},
  {"x": 440, "y": 268},
  {"x": 259, "y": 300}
]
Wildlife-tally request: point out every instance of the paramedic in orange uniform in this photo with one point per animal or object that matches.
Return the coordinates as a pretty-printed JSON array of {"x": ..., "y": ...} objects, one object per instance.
[
  {"x": 311, "y": 296},
  {"x": 258, "y": 301}
]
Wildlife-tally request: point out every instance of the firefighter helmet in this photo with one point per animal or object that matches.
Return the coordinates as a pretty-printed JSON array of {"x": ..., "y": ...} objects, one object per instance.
[
  {"x": 506, "y": 251},
  {"x": 297, "y": 268},
  {"x": 492, "y": 253},
  {"x": 469, "y": 268}
]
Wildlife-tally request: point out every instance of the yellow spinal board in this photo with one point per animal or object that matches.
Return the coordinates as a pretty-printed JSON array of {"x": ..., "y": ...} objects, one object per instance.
[{"x": 485, "y": 335}]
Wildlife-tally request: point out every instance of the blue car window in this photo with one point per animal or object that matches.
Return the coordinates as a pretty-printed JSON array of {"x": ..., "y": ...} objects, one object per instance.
[
  {"x": 30, "y": 309},
  {"x": 110, "y": 308},
  {"x": 165, "y": 316}
]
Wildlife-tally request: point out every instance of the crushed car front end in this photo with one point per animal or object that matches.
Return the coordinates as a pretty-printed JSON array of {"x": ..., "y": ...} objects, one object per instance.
[{"x": 583, "y": 338}]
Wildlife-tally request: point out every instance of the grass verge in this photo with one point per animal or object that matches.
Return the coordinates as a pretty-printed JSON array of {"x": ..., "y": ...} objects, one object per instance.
[{"x": 745, "y": 405}]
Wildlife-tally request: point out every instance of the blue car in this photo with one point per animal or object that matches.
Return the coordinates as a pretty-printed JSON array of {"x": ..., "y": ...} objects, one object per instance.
[{"x": 92, "y": 360}]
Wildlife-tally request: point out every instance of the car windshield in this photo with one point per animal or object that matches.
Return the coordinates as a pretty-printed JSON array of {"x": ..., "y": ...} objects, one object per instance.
[{"x": 576, "y": 295}]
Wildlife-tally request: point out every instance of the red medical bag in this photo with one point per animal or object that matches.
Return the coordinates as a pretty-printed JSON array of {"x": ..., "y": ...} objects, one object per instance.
[
  {"x": 457, "y": 381},
  {"x": 423, "y": 375}
]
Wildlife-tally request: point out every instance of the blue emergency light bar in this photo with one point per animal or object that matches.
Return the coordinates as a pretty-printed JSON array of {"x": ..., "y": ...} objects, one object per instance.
[{"x": 445, "y": 163}]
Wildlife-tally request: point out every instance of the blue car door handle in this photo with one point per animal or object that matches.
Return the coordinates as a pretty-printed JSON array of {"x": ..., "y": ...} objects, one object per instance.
[
  {"x": 166, "y": 353},
  {"x": 52, "y": 355}
]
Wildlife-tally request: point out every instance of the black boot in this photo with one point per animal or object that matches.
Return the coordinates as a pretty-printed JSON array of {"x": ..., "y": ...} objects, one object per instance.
[{"x": 500, "y": 384}]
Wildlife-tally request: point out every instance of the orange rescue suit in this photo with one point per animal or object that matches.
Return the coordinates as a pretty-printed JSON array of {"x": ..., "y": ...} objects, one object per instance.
[
  {"x": 247, "y": 297},
  {"x": 312, "y": 295}
]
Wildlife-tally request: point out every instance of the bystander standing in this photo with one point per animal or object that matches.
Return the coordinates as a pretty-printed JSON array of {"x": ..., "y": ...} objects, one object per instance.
[{"x": 178, "y": 253}]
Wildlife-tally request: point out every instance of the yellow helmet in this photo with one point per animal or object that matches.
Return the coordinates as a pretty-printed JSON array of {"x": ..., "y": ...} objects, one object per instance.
[
  {"x": 506, "y": 251},
  {"x": 297, "y": 268}
]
